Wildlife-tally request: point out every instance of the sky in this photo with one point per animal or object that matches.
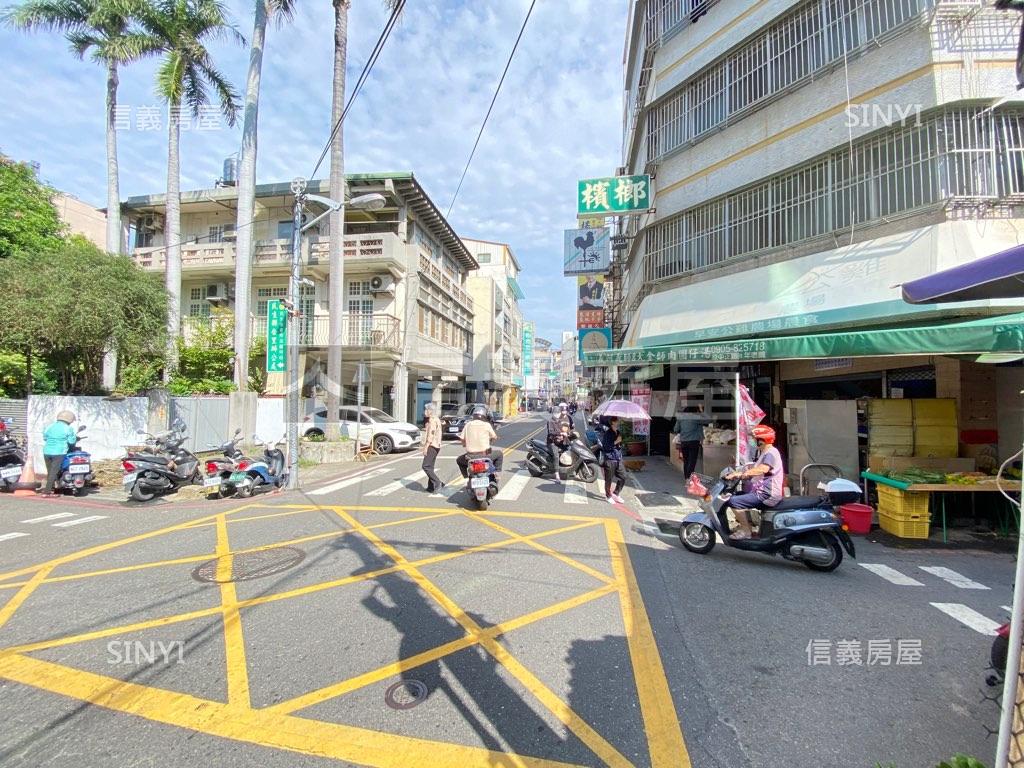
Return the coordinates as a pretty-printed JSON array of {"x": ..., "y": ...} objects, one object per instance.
[{"x": 558, "y": 117}]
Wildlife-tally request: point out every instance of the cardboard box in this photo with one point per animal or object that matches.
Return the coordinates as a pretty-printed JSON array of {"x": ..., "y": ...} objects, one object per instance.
[
  {"x": 894, "y": 413},
  {"x": 938, "y": 464},
  {"x": 935, "y": 413}
]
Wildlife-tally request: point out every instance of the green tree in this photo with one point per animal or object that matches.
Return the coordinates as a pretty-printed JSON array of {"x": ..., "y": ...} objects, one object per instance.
[
  {"x": 66, "y": 304},
  {"x": 14, "y": 376},
  {"x": 204, "y": 363},
  {"x": 264, "y": 11},
  {"x": 101, "y": 28},
  {"x": 181, "y": 29},
  {"x": 28, "y": 218}
]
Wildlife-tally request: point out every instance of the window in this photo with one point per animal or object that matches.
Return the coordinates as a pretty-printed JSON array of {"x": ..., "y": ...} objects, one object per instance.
[
  {"x": 483, "y": 258},
  {"x": 218, "y": 232},
  {"x": 265, "y": 295},
  {"x": 957, "y": 155},
  {"x": 285, "y": 229},
  {"x": 198, "y": 306},
  {"x": 814, "y": 36}
]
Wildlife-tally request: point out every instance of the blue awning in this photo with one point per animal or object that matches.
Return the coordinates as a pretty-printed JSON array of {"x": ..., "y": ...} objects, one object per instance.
[{"x": 1000, "y": 276}]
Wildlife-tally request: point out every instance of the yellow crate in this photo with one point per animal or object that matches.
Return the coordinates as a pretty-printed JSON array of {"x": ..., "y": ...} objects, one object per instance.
[
  {"x": 935, "y": 413},
  {"x": 895, "y": 413},
  {"x": 915, "y": 527},
  {"x": 898, "y": 503}
]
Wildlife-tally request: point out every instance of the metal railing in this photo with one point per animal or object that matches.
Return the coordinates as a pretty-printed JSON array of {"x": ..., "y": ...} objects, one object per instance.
[
  {"x": 953, "y": 155},
  {"x": 377, "y": 330}
]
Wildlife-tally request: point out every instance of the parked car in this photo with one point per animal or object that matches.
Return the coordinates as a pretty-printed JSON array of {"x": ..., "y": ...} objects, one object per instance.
[
  {"x": 454, "y": 423},
  {"x": 383, "y": 431}
]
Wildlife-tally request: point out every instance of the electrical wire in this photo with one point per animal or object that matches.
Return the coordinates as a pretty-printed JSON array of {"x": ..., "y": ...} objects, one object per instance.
[
  {"x": 491, "y": 107},
  {"x": 385, "y": 33},
  {"x": 367, "y": 68}
]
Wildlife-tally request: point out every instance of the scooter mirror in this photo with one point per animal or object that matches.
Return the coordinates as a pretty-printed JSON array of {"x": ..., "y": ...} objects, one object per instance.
[
  {"x": 81, "y": 429},
  {"x": 238, "y": 432}
]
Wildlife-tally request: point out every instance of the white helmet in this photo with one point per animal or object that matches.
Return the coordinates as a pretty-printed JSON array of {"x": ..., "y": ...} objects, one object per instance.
[{"x": 563, "y": 406}]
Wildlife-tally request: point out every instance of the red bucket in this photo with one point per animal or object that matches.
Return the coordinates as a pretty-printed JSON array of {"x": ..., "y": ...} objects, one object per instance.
[{"x": 856, "y": 517}]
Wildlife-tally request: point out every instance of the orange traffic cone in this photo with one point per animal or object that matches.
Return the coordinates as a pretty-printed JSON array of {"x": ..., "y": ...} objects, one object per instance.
[{"x": 27, "y": 483}]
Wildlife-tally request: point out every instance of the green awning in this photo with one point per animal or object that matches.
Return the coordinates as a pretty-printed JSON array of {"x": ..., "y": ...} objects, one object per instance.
[
  {"x": 987, "y": 335},
  {"x": 513, "y": 286}
]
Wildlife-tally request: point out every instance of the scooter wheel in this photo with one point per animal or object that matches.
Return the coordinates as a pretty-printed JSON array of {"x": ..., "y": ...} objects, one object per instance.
[
  {"x": 247, "y": 490},
  {"x": 697, "y": 538},
  {"x": 587, "y": 473},
  {"x": 837, "y": 556},
  {"x": 481, "y": 504},
  {"x": 141, "y": 494},
  {"x": 533, "y": 469}
]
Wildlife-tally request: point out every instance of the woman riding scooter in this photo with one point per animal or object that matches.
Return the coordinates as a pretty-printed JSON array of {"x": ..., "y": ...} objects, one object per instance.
[{"x": 766, "y": 473}]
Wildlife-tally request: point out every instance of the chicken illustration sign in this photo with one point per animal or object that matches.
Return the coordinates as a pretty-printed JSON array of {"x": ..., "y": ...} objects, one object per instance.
[{"x": 587, "y": 251}]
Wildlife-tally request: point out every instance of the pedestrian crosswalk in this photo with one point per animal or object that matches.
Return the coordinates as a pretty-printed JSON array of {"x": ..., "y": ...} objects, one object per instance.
[
  {"x": 943, "y": 577},
  {"x": 514, "y": 486},
  {"x": 66, "y": 520}
]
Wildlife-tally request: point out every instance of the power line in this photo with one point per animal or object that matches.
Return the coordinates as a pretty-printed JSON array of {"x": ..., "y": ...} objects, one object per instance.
[
  {"x": 487, "y": 116},
  {"x": 385, "y": 33}
]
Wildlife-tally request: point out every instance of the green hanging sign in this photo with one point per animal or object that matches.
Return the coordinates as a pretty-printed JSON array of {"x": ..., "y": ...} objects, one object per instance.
[{"x": 277, "y": 337}]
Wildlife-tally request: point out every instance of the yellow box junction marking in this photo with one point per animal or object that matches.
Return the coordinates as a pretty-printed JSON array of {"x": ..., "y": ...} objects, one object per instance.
[{"x": 277, "y": 727}]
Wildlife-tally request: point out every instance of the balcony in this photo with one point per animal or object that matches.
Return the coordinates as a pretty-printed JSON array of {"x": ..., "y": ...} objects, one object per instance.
[
  {"x": 430, "y": 270},
  {"x": 384, "y": 250},
  {"x": 359, "y": 331}
]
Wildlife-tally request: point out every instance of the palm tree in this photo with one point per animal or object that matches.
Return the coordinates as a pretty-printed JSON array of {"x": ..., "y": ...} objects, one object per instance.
[
  {"x": 102, "y": 28},
  {"x": 181, "y": 29},
  {"x": 336, "y": 221},
  {"x": 265, "y": 9}
]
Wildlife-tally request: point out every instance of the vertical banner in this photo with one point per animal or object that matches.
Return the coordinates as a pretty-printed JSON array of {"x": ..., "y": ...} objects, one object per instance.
[
  {"x": 641, "y": 395},
  {"x": 528, "y": 331},
  {"x": 277, "y": 337},
  {"x": 586, "y": 251}
]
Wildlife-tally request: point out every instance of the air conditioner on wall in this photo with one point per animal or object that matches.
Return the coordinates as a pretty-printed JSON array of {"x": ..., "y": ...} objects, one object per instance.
[
  {"x": 153, "y": 222},
  {"x": 382, "y": 284},
  {"x": 219, "y": 293}
]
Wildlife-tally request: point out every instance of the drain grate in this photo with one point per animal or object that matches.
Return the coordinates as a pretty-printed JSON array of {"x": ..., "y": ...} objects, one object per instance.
[
  {"x": 246, "y": 566},
  {"x": 657, "y": 500},
  {"x": 405, "y": 694}
]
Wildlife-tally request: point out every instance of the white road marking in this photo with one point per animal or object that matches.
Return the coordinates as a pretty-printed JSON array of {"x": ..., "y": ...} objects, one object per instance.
[
  {"x": 45, "y": 518},
  {"x": 349, "y": 481},
  {"x": 396, "y": 485},
  {"x": 954, "y": 578},
  {"x": 514, "y": 487},
  {"x": 969, "y": 617},
  {"x": 79, "y": 521},
  {"x": 448, "y": 491},
  {"x": 1007, "y": 608},
  {"x": 891, "y": 575},
  {"x": 575, "y": 493},
  {"x": 15, "y": 535}
]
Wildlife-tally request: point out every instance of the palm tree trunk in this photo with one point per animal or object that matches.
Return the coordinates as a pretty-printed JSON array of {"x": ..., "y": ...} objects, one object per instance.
[
  {"x": 247, "y": 199},
  {"x": 172, "y": 235},
  {"x": 336, "y": 245},
  {"x": 114, "y": 238}
]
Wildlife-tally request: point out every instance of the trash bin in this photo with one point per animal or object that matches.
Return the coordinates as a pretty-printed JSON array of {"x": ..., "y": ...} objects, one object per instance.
[{"x": 856, "y": 517}]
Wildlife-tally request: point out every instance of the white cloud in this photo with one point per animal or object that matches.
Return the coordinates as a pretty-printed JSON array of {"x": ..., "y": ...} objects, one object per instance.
[{"x": 556, "y": 120}]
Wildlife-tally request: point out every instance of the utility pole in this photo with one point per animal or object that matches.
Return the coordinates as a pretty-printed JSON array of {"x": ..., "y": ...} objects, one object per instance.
[{"x": 294, "y": 315}]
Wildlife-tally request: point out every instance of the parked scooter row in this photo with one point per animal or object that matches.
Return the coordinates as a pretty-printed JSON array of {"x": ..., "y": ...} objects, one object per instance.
[
  {"x": 12, "y": 457},
  {"x": 233, "y": 473},
  {"x": 75, "y": 473}
]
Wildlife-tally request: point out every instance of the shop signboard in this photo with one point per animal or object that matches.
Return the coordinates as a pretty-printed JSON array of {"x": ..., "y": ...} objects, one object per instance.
[
  {"x": 613, "y": 195},
  {"x": 591, "y": 222},
  {"x": 590, "y": 318},
  {"x": 586, "y": 251},
  {"x": 528, "y": 333},
  {"x": 640, "y": 394},
  {"x": 277, "y": 337},
  {"x": 590, "y": 292},
  {"x": 594, "y": 340}
]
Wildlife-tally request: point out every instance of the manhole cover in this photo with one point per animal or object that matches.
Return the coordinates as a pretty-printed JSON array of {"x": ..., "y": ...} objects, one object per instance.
[
  {"x": 657, "y": 500},
  {"x": 405, "y": 694},
  {"x": 250, "y": 565}
]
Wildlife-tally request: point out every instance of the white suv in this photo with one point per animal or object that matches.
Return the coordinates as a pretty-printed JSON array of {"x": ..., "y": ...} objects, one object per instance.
[{"x": 385, "y": 432}]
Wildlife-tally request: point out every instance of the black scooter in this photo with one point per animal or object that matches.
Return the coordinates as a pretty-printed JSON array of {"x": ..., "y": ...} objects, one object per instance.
[
  {"x": 12, "y": 457},
  {"x": 800, "y": 528},
  {"x": 163, "y": 469},
  {"x": 576, "y": 461}
]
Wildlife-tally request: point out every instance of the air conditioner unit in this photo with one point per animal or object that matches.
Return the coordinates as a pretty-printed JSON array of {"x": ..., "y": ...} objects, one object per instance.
[
  {"x": 230, "y": 233},
  {"x": 153, "y": 222},
  {"x": 219, "y": 293},
  {"x": 382, "y": 284}
]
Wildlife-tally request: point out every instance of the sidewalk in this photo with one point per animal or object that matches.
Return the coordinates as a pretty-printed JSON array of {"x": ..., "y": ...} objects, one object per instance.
[{"x": 658, "y": 491}]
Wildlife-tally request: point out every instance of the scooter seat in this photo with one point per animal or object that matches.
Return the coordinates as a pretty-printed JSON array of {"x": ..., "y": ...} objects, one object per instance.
[
  {"x": 797, "y": 502},
  {"x": 152, "y": 458}
]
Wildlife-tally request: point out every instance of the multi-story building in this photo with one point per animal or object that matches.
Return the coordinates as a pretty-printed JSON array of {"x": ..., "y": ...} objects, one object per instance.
[
  {"x": 408, "y": 315},
  {"x": 570, "y": 366},
  {"x": 82, "y": 219},
  {"x": 808, "y": 157},
  {"x": 546, "y": 360},
  {"x": 497, "y": 377}
]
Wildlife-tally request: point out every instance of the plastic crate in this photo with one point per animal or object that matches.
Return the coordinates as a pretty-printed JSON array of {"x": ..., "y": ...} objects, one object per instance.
[
  {"x": 911, "y": 527},
  {"x": 902, "y": 504}
]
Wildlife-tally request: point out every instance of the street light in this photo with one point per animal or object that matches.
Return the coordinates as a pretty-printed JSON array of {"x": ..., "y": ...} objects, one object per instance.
[{"x": 373, "y": 201}]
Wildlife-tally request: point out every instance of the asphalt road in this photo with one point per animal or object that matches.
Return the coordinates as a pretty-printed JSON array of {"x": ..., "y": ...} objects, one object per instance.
[{"x": 364, "y": 621}]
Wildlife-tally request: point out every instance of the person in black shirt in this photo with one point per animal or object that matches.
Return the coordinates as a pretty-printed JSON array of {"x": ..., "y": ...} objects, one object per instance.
[{"x": 611, "y": 446}]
